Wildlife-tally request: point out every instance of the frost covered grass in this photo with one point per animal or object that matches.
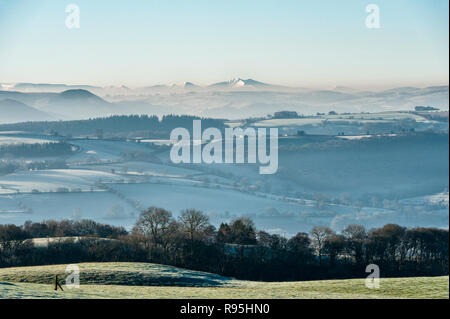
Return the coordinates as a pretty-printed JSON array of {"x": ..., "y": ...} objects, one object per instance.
[
  {"x": 52, "y": 180},
  {"x": 435, "y": 199},
  {"x": 269, "y": 212},
  {"x": 44, "y": 242},
  {"x": 384, "y": 117},
  {"x": 140, "y": 280},
  {"x": 130, "y": 274},
  {"x": 142, "y": 168},
  {"x": 8, "y": 140},
  {"x": 98, "y": 205}
]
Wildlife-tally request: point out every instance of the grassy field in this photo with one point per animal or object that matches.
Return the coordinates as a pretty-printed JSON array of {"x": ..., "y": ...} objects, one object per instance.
[{"x": 141, "y": 280}]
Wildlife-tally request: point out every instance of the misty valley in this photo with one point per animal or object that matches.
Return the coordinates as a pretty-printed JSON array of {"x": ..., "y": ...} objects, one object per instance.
[{"x": 334, "y": 169}]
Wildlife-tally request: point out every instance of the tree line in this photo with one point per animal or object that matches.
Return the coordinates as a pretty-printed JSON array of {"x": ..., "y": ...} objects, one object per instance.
[
  {"x": 114, "y": 124},
  {"x": 235, "y": 249},
  {"x": 35, "y": 149}
]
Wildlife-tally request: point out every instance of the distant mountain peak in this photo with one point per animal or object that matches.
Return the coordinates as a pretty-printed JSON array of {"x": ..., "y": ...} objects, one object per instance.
[
  {"x": 238, "y": 82},
  {"x": 79, "y": 95},
  {"x": 188, "y": 84}
]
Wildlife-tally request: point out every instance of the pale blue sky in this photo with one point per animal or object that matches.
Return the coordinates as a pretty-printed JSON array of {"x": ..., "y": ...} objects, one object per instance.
[{"x": 319, "y": 43}]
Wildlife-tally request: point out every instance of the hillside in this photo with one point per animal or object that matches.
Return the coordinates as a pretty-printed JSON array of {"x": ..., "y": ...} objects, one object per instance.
[
  {"x": 120, "y": 280},
  {"x": 75, "y": 103},
  {"x": 12, "y": 111},
  {"x": 130, "y": 274},
  {"x": 402, "y": 166}
]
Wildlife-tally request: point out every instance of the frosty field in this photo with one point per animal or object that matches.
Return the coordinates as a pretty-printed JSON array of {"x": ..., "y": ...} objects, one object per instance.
[
  {"x": 104, "y": 181},
  {"x": 152, "y": 281},
  {"x": 360, "y": 117},
  {"x": 100, "y": 206},
  {"x": 5, "y": 140},
  {"x": 51, "y": 180},
  {"x": 103, "y": 206}
]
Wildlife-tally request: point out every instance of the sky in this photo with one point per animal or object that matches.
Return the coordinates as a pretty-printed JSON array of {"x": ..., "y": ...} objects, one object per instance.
[{"x": 321, "y": 43}]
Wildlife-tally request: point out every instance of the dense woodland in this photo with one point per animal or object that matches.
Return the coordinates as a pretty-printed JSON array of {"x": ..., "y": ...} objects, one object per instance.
[
  {"x": 143, "y": 124},
  {"x": 236, "y": 249},
  {"x": 35, "y": 150}
]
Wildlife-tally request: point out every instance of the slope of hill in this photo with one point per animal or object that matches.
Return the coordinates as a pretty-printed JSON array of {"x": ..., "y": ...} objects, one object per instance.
[
  {"x": 79, "y": 94},
  {"x": 130, "y": 274},
  {"x": 133, "y": 280},
  {"x": 76, "y": 100},
  {"x": 12, "y": 111},
  {"x": 69, "y": 104}
]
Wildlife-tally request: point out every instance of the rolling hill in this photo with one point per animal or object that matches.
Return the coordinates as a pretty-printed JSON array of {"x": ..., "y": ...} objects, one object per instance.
[
  {"x": 69, "y": 104},
  {"x": 151, "y": 281}
]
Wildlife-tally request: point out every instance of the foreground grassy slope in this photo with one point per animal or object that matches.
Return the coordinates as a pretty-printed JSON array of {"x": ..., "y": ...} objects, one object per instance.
[
  {"x": 138, "y": 280},
  {"x": 129, "y": 274}
]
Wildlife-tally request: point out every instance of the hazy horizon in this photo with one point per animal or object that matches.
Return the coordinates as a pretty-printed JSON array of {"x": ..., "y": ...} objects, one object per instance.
[{"x": 10, "y": 85}]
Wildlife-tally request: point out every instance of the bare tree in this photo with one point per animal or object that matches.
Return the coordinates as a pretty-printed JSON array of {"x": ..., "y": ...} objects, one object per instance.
[
  {"x": 154, "y": 223},
  {"x": 319, "y": 235},
  {"x": 355, "y": 236},
  {"x": 193, "y": 222}
]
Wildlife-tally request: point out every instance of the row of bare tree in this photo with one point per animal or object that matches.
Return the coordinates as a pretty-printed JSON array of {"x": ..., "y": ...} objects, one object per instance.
[{"x": 235, "y": 249}]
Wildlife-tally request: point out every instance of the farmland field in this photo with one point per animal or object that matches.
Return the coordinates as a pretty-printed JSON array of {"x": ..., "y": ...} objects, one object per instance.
[
  {"x": 5, "y": 140},
  {"x": 50, "y": 180},
  {"x": 361, "y": 118},
  {"x": 415, "y": 167},
  {"x": 140, "y": 280}
]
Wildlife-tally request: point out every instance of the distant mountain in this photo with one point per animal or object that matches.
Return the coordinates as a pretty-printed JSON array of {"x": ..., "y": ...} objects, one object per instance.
[
  {"x": 69, "y": 104},
  {"x": 83, "y": 95},
  {"x": 121, "y": 87},
  {"x": 31, "y": 99},
  {"x": 236, "y": 98},
  {"x": 344, "y": 89},
  {"x": 167, "y": 89},
  {"x": 157, "y": 86},
  {"x": 12, "y": 111},
  {"x": 47, "y": 87},
  {"x": 189, "y": 85},
  {"x": 78, "y": 102},
  {"x": 113, "y": 90},
  {"x": 238, "y": 83}
]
